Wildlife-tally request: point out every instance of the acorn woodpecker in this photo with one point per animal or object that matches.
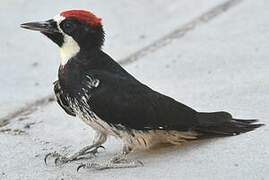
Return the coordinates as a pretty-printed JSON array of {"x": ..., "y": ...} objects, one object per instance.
[{"x": 95, "y": 88}]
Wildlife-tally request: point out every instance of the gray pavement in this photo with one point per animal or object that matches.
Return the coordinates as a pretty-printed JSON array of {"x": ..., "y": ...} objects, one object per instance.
[
  {"x": 221, "y": 64},
  {"x": 29, "y": 61}
]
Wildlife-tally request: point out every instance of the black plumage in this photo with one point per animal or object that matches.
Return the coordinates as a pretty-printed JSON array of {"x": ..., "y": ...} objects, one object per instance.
[
  {"x": 94, "y": 87},
  {"x": 120, "y": 99}
]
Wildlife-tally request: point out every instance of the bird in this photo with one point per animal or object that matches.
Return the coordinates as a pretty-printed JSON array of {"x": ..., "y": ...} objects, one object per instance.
[{"x": 95, "y": 88}]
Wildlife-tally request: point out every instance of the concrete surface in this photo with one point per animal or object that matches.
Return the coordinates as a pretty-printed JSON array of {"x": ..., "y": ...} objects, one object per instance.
[
  {"x": 29, "y": 61},
  {"x": 220, "y": 65}
]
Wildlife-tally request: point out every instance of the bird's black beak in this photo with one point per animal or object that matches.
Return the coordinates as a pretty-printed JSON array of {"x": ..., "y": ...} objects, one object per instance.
[{"x": 49, "y": 26}]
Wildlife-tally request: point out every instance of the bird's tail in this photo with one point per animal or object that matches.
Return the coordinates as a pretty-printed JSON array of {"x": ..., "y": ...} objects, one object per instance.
[{"x": 223, "y": 124}]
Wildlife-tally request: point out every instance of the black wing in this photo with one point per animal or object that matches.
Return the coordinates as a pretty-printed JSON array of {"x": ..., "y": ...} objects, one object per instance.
[
  {"x": 124, "y": 101},
  {"x": 61, "y": 100}
]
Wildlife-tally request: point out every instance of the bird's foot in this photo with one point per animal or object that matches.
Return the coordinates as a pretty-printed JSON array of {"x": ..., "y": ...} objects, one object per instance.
[
  {"x": 85, "y": 153},
  {"x": 115, "y": 163}
]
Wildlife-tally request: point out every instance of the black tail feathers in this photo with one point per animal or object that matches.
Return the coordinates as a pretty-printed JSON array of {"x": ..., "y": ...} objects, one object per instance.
[{"x": 223, "y": 124}]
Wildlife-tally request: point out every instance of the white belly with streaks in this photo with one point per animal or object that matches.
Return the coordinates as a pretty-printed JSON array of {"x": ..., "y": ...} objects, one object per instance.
[{"x": 136, "y": 139}]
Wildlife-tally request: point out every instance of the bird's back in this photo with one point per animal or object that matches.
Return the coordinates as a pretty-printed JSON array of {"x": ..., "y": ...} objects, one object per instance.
[
  {"x": 120, "y": 99},
  {"x": 122, "y": 102}
]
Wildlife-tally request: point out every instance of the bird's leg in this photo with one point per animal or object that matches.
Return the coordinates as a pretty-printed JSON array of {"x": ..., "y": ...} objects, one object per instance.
[
  {"x": 85, "y": 153},
  {"x": 119, "y": 161}
]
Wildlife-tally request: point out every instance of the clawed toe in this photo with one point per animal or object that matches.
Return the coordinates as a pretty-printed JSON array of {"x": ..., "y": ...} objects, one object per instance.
[
  {"x": 94, "y": 151},
  {"x": 96, "y": 166},
  {"x": 59, "y": 159},
  {"x": 81, "y": 166},
  {"x": 86, "y": 153},
  {"x": 52, "y": 154},
  {"x": 111, "y": 165}
]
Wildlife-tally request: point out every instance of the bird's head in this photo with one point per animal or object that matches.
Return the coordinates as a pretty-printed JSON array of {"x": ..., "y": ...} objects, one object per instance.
[{"x": 73, "y": 31}]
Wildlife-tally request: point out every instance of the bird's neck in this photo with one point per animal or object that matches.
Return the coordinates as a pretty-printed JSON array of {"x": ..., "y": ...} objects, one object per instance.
[
  {"x": 70, "y": 48},
  {"x": 93, "y": 60}
]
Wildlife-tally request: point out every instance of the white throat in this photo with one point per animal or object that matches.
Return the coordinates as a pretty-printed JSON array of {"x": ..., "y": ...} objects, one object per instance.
[{"x": 69, "y": 49}]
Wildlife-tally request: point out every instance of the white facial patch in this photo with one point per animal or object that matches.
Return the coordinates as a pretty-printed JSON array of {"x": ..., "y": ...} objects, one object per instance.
[{"x": 70, "y": 47}]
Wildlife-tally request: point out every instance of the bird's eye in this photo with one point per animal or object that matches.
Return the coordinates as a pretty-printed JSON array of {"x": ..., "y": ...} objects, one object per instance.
[{"x": 68, "y": 26}]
